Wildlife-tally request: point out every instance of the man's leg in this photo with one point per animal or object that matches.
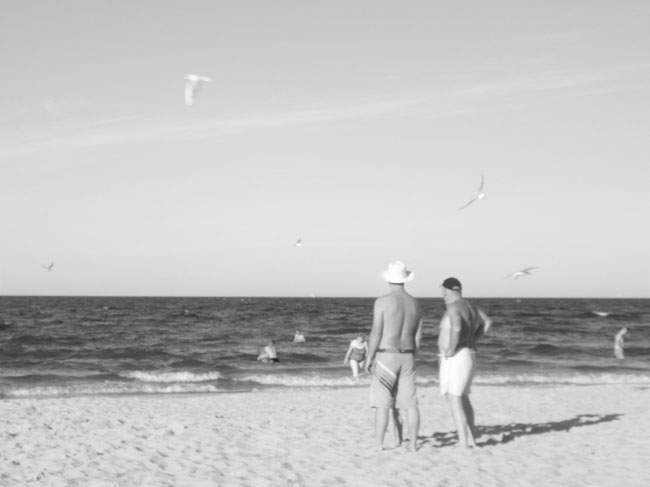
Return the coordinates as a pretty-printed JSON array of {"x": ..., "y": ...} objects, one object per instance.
[
  {"x": 469, "y": 414},
  {"x": 465, "y": 437},
  {"x": 395, "y": 422},
  {"x": 381, "y": 421},
  {"x": 413, "y": 416}
]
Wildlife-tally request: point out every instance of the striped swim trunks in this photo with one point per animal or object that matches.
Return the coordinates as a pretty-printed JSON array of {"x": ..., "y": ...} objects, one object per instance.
[{"x": 393, "y": 381}]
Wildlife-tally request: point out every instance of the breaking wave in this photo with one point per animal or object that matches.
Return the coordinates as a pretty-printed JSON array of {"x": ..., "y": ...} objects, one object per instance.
[{"x": 150, "y": 376}]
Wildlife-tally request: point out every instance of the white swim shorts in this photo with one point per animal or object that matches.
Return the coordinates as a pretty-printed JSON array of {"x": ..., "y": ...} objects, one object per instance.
[{"x": 457, "y": 372}]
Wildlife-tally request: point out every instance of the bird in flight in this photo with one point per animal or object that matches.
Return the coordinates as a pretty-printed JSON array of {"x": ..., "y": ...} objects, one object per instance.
[
  {"x": 479, "y": 196},
  {"x": 48, "y": 267},
  {"x": 192, "y": 84},
  {"x": 521, "y": 273},
  {"x": 299, "y": 242}
]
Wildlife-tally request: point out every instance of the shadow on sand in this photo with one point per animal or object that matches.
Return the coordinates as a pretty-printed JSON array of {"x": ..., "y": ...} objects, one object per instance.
[{"x": 500, "y": 434}]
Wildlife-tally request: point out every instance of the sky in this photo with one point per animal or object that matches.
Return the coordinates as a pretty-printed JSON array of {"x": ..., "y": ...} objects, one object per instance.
[{"x": 360, "y": 127}]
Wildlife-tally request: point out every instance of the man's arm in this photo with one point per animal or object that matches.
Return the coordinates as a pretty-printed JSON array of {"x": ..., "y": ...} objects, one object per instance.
[
  {"x": 454, "y": 333},
  {"x": 486, "y": 320},
  {"x": 484, "y": 327},
  {"x": 347, "y": 355},
  {"x": 443, "y": 338},
  {"x": 418, "y": 335},
  {"x": 375, "y": 334}
]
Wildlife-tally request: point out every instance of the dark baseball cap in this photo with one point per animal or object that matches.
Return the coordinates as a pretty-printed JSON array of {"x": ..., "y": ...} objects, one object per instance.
[{"x": 452, "y": 284}]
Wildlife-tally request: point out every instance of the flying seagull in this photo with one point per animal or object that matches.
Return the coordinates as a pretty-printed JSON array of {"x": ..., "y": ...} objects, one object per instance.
[
  {"x": 479, "y": 196},
  {"x": 48, "y": 268},
  {"x": 192, "y": 84},
  {"x": 521, "y": 273},
  {"x": 299, "y": 242}
]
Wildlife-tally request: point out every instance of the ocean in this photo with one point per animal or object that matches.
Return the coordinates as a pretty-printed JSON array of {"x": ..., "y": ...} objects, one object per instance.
[{"x": 68, "y": 346}]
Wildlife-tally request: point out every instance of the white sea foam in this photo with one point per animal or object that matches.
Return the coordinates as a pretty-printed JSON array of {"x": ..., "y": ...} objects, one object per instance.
[
  {"x": 288, "y": 380},
  {"x": 577, "y": 379},
  {"x": 306, "y": 380},
  {"x": 152, "y": 376},
  {"x": 111, "y": 388},
  {"x": 601, "y": 313}
]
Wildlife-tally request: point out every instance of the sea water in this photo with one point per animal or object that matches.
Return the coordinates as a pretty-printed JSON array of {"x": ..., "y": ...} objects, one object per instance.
[{"x": 63, "y": 346}]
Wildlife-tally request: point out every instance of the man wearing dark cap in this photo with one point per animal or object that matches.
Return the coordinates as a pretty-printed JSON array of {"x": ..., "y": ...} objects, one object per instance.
[{"x": 460, "y": 327}]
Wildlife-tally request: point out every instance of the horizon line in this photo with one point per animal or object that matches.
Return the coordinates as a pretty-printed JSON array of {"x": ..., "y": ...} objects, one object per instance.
[{"x": 292, "y": 297}]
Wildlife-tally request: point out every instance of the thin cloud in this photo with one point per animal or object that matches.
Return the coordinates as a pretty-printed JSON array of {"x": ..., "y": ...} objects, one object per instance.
[
  {"x": 64, "y": 107},
  {"x": 462, "y": 98},
  {"x": 126, "y": 130},
  {"x": 518, "y": 91},
  {"x": 540, "y": 82},
  {"x": 64, "y": 135},
  {"x": 548, "y": 81},
  {"x": 321, "y": 113}
]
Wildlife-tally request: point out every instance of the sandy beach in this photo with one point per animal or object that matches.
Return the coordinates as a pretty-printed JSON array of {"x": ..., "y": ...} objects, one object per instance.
[{"x": 537, "y": 436}]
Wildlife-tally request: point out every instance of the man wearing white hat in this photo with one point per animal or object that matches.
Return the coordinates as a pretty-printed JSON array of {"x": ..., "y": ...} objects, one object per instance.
[{"x": 394, "y": 339}]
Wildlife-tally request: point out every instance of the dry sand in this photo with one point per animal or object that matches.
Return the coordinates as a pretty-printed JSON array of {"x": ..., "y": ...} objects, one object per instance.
[{"x": 538, "y": 436}]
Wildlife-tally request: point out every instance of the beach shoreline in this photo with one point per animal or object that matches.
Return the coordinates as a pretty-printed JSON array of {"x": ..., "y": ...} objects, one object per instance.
[{"x": 562, "y": 435}]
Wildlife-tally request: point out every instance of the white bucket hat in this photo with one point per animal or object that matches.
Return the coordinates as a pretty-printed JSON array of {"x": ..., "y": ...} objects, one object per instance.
[{"x": 397, "y": 273}]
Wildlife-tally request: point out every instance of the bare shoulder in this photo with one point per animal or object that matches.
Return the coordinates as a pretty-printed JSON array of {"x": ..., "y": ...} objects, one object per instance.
[
  {"x": 383, "y": 301},
  {"x": 454, "y": 308},
  {"x": 445, "y": 321},
  {"x": 380, "y": 304}
]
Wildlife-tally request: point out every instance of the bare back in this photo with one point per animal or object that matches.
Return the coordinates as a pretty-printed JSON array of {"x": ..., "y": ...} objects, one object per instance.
[{"x": 397, "y": 318}]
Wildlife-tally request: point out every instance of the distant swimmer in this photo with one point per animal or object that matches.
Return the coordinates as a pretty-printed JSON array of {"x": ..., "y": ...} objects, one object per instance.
[
  {"x": 298, "y": 337},
  {"x": 299, "y": 242},
  {"x": 356, "y": 354},
  {"x": 479, "y": 195},
  {"x": 192, "y": 84},
  {"x": 48, "y": 267},
  {"x": 619, "y": 343},
  {"x": 521, "y": 273},
  {"x": 268, "y": 354}
]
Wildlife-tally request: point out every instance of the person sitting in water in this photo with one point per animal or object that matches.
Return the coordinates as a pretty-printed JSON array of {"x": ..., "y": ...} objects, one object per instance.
[
  {"x": 268, "y": 354},
  {"x": 299, "y": 337},
  {"x": 356, "y": 355}
]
